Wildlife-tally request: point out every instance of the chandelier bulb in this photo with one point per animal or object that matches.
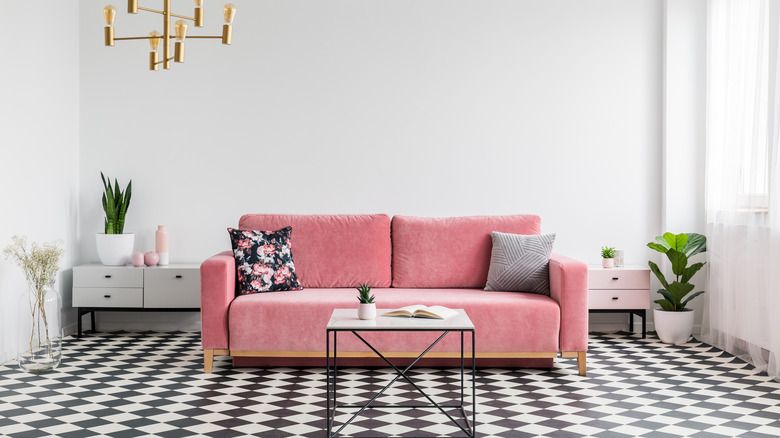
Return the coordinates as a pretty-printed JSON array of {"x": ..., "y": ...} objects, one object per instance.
[
  {"x": 199, "y": 3},
  {"x": 180, "y": 29},
  {"x": 230, "y": 13},
  {"x": 109, "y": 13},
  {"x": 154, "y": 40}
]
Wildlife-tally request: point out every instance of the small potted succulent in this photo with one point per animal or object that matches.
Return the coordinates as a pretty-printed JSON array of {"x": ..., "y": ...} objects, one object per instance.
[
  {"x": 367, "y": 307},
  {"x": 607, "y": 257},
  {"x": 673, "y": 321},
  {"x": 114, "y": 247}
]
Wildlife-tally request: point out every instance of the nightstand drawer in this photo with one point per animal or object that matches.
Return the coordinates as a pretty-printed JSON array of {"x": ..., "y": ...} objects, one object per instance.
[
  {"x": 618, "y": 279},
  {"x": 107, "y": 276},
  {"x": 172, "y": 287},
  {"x": 108, "y": 297},
  {"x": 619, "y": 299}
]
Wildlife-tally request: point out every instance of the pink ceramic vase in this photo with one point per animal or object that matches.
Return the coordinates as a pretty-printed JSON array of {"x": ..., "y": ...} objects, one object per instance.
[{"x": 161, "y": 244}]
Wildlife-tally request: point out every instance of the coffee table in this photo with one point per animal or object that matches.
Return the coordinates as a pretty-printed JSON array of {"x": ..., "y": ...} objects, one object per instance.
[{"x": 346, "y": 320}]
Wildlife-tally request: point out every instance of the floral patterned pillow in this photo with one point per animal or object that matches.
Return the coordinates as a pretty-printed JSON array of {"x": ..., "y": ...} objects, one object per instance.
[{"x": 264, "y": 261}]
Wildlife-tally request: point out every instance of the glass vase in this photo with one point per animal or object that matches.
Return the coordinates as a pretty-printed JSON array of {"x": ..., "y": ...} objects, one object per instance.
[{"x": 40, "y": 336}]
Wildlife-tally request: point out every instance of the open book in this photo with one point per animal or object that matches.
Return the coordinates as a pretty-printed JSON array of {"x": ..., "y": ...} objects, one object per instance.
[{"x": 420, "y": 311}]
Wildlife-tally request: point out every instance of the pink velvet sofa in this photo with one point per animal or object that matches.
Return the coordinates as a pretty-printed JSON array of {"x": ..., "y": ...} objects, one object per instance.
[{"x": 409, "y": 260}]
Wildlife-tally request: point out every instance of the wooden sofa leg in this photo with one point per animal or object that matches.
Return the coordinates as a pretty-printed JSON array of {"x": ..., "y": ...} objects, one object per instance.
[
  {"x": 581, "y": 362},
  {"x": 208, "y": 360}
]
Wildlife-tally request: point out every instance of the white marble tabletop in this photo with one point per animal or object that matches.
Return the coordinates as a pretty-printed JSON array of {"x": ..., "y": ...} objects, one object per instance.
[{"x": 347, "y": 319}]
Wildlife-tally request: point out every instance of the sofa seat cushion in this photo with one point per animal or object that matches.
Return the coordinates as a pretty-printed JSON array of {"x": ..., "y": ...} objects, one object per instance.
[{"x": 296, "y": 320}]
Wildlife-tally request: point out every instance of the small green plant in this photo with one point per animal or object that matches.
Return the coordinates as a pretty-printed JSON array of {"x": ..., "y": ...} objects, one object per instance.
[
  {"x": 608, "y": 252},
  {"x": 115, "y": 204},
  {"x": 365, "y": 296},
  {"x": 678, "y": 249}
]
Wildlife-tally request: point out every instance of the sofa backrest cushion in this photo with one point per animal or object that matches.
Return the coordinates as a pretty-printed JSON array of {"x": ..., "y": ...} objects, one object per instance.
[
  {"x": 334, "y": 250},
  {"x": 450, "y": 252}
]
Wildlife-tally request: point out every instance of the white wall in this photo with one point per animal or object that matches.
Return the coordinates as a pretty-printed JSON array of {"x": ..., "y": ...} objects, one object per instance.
[
  {"x": 38, "y": 144},
  {"x": 685, "y": 47},
  {"x": 436, "y": 108}
]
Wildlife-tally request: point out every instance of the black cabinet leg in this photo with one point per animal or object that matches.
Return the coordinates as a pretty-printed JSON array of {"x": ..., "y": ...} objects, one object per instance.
[
  {"x": 78, "y": 335},
  {"x": 644, "y": 324},
  {"x": 631, "y": 322},
  {"x": 92, "y": 321}
]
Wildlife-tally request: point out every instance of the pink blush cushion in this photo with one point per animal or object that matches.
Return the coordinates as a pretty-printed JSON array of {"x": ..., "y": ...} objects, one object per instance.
[
  {"x": 334, "y": 250},
  {"x": 295, "y": 321},
  {"x": 449, "y": 252}
]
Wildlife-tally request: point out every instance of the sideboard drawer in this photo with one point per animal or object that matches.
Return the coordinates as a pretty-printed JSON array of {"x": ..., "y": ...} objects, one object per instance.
[
  {"x": 617, "y": 278},
  {"x": 107, "y": 276},
  {"x": 108, "y": 297},
  {"x": 172, "y": 287},
  {"x": 619, "y": 299}
]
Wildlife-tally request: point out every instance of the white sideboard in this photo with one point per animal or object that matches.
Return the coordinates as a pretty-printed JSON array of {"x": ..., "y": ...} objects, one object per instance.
[{"x": 127, "y": 288}]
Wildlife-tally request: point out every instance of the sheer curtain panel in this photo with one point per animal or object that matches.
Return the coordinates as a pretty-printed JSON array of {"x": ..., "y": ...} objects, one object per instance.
[{"x": 743, "y": 181}]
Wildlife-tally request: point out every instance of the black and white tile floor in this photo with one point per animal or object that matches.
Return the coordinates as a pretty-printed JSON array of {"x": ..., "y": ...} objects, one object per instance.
[{"x": 152, "y": 384}]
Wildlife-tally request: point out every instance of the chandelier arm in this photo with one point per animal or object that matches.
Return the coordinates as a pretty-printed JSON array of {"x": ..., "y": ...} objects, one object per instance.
[
  {"x": 151, "y": 10},
  {"x": 137, "y": 38},
  {"x": 182, "y": 16},
  {"x": 200, "y": 36},
  {"x": 163, "y": 13}
]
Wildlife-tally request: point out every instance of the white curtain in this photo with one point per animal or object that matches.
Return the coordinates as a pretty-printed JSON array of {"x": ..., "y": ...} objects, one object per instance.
[{"x": 742, "y": 313}]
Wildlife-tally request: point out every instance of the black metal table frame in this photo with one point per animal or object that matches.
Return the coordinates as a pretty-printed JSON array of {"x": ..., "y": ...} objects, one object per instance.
[
  {"x": 469, "y": 430},
  {"x": 642, "y": 313},
  {"x": 91, "y": 310}
]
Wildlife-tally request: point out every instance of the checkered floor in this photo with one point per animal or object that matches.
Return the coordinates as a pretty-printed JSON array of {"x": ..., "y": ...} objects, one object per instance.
[{"x": 151, "y": 384}]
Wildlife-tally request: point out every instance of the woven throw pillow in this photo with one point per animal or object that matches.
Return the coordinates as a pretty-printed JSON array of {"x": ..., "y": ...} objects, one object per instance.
[
  {"x": 520, "y": 263},
  {"x": 264, "y": 261}
]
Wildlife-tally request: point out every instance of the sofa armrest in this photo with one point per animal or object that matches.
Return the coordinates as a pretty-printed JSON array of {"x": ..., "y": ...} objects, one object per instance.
[
  {"x": 569, "y": 287},
  {"x": 217, "y": 291}
]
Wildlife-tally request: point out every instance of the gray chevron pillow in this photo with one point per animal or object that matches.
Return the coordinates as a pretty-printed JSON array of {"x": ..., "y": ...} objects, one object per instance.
[{"x": 520, "y": 263}]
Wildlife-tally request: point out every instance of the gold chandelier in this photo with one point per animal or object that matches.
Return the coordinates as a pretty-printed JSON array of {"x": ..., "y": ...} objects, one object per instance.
[{"x": 179, "y": 27}]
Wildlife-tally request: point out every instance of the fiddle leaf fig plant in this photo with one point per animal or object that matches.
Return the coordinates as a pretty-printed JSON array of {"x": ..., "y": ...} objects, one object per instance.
[{"x": 679, "y": 248}]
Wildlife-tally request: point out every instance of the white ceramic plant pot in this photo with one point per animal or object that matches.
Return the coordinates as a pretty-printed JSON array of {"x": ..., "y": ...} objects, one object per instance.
[
  {"x": 115, "y": 249},
  {"x": 673, "y": 327},
  {"x": 608, "y": 263},
  {"x": 367, "y": 311}
]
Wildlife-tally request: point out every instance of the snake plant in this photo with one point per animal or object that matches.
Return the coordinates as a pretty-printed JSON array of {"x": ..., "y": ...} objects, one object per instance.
[
  {"x": 365, "y": 296},
  {"x": 679, "y": 248},
  {"x": 115, "y": 204}
]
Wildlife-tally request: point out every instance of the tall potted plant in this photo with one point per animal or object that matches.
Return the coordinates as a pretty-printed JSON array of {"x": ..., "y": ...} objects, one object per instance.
[
  {"x": 673, "y": 321},
  {"x": 113, "y": 246}
]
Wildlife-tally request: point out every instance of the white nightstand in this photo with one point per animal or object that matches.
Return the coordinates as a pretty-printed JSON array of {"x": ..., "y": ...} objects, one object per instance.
[
  {"x": 171, "y": 288},
  {"x": 620, "y": 290}
]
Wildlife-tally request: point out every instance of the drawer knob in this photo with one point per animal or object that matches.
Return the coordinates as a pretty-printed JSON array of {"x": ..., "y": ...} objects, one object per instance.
[
  {"x": 178, "y": 276},
  {"x": 615, "y": 278},
  {"x": 106, "y": 296},
  {"x": 614, "y": 298},
  {"x": 108, "y": 276}
]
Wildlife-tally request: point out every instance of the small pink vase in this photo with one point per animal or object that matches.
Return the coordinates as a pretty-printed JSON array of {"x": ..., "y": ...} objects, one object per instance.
[
  {"x": 138, "y": 259},
  {"x": 151, "y": 258}
]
